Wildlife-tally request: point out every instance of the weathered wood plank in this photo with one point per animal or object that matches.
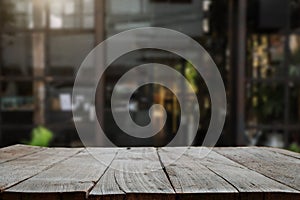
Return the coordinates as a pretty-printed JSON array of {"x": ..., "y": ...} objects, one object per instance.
[
  {"x": 107, "y": 188},
  {"x": 18, "y": 170},
  {"x": 17, "y": 151},
  {"x": 282, "y": 151},
  {"x": 137, "y": 173},
  {"x": 73, "y": 177},
  {"x": 132, "y": 176},
  {"x": 250, "y": 184},
  {"x": 191, "y": 179},
  {"x": 276, "y": 166}
]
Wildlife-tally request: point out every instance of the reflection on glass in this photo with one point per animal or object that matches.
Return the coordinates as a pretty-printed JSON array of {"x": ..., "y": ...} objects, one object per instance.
[{"x": 194, "y": 18}]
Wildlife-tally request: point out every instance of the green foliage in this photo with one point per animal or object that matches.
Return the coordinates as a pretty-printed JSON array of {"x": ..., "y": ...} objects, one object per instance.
[
  {"x": 268, "y": 102},
  {"x": 294, "y": 147},
  {"x": 41, "y": 136},
  {"x": 191, "y": 74}
]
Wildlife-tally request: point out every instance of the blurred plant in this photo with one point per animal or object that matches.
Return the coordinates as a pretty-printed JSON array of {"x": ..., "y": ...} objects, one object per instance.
[
  {"x": 294, "y": 147},
  {"x": 40, "y": 136},
  {"x": 294, "y": 70},
  {"x": 190, "y": 73},
  {"x": 268, "y": 102}
]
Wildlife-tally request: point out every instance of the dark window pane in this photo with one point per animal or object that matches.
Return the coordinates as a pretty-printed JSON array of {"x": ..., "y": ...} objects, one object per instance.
[
  {"x": 264, "y": 103},
  {"x": 17, "y": 55},
  {"x": 16, "y": 96}
]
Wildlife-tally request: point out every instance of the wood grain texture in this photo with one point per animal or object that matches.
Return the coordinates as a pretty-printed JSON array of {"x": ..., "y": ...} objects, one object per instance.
[
  {"x": 17, "y": 151},
  {"x": 29, "y": 173},
  {"x": 191, "y": 179},
  {"x": 131, "y": 175},
  {"x": 283, "y": 169},
  {"x": 250, "y": 184},
  {"x": 15, "y": 171},
  {"x": 282, "y": 151},
  {"x": 76, "y": 176},
  {"x": 107, "y": 188}
]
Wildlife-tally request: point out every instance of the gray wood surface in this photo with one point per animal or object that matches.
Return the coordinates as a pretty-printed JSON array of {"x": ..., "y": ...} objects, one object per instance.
[
  {"x": 250, "y": 184},
  {"x": 17, "y": 151},
  {"x": 147, "y": 182},
  {"x": 18, "y": 170},
  {"x": 279, "y": 167},
  {"x": 75, "y": 175},
  {"x": 282, "y": 151},
  {"x": 189, "y": 176},
  {"x": 148, "y": 173}
]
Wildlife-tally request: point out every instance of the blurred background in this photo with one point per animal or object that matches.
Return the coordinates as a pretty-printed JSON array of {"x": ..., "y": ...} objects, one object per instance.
[{"x": 254, "y": 43}]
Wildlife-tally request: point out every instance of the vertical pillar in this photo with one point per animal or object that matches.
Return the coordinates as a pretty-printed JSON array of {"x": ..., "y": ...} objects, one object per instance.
[
  {"x": 287, "y": 54},
  {"x": 99, "y": 21},
  {"x": 237, "y": 42},
  {"x": 38, "y": 58},
  {"x": 241, "y": 65},
  {"x": 99, "y": 37}
]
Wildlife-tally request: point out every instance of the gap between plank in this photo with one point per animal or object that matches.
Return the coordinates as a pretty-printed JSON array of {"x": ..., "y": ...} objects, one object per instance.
[
  {"x": 95, "y": 182},
  {"x": 222, "y": 178},
  {"x": 119, "y": 186},
  {"x": 259, "y": 172},
  {"x": 165, "y": 170}
]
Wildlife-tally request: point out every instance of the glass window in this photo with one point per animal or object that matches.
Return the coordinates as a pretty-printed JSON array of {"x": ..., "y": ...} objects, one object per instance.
[
  {"x": 67, "y": 52},
  {"x": 126, "y": 14},
  {"x": 88, "y": 7},
  {"x": 17, "y": 54},
  {"x": 71, "y": 14},
  {"x": 16, "y": 96},
  {"x": 193, "y": 18},
  {"x": 23, "y": 13}
]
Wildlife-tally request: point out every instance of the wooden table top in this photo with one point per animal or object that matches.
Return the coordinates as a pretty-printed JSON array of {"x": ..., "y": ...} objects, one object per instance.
[{"x": 225, "y": 173}]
